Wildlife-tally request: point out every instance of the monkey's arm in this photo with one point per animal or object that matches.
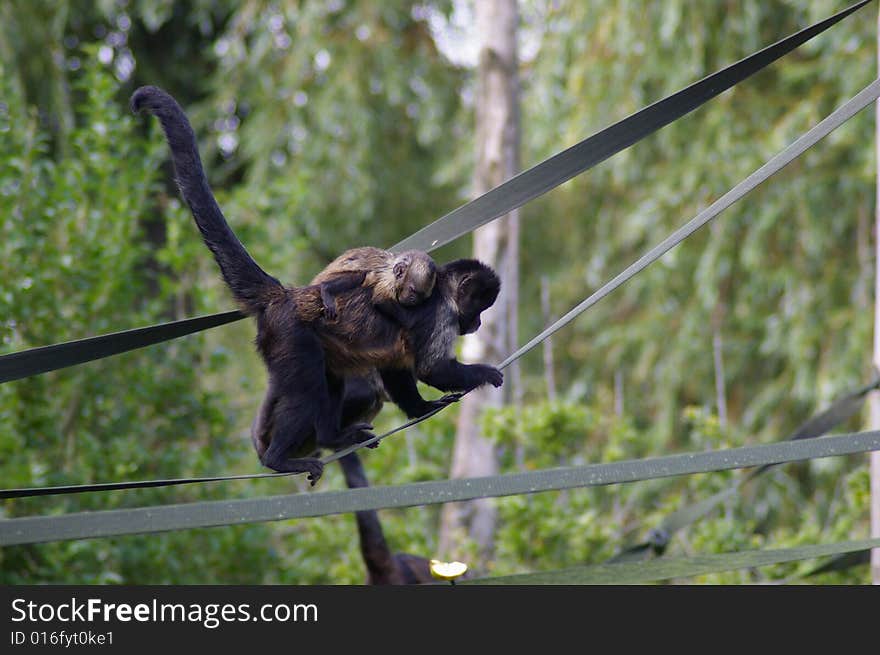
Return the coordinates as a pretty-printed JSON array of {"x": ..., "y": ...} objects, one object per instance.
[
  {"x": 338, "y": 284},
  {"x": 401, "y": 387},
  {"x": 452, "y": 375}
]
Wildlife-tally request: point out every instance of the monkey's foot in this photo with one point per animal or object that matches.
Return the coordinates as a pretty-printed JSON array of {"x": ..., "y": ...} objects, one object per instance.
[
  {"x": 358, "y": 433},
  {"x": 314, "y": 470},
  {"x": 443, "y": 401},
  {"x": 311, "y": 466},
  {"x": 349, "y": 436}
]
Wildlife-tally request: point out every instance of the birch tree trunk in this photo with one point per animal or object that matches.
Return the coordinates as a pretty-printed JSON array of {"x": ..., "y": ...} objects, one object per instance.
[
  {"x": 496, "y": 244},
  {"x": 549, "y": 370}
]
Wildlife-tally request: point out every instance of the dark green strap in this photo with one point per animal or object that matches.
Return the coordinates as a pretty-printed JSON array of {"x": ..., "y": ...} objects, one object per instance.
[
  {"x": 669, "y": 568},
  {"x": 591, "y": 151},
  {"x": 658, "y": 539},
  {"x": 840, "y": 411},
  {"x": 498, "y": 201},
  {"x": 162, "y": 518},
  {"x": 841, "y": 563},
  {"x": 61, "y": 355}
]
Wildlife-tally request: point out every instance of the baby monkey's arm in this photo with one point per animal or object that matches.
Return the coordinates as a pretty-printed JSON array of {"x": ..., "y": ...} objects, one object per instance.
[{"x": 336, "y": 285}]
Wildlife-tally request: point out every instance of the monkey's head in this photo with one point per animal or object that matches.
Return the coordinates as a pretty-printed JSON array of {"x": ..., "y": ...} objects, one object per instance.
[
  {"x": 475, "y": 287},
  {"x": 414, "y": 276}
]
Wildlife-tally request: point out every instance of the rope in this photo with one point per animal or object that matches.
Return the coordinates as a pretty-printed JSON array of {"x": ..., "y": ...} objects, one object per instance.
[
  {"x": 37, "y": 529},
  {"x": 679, "y": 567},
  {"x": 515, "y": 192}
]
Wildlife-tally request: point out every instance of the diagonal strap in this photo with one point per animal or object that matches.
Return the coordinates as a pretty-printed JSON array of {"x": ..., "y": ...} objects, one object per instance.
[
  {"x": 678, "y": 567},
  {"x": 560, "y": 168},
  {"x": 162, "y": 518},
  {"x": 774, "y": 165},
  {"x": 658, "y": 538},
  {"x": 61, "y": 355},
  {"x": 498, "y": 201},
  {"x": 842, "y": 562}
]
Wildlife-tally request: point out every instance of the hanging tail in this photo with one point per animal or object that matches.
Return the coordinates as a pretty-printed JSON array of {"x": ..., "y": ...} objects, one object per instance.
[{"x": 249, "y": 283}]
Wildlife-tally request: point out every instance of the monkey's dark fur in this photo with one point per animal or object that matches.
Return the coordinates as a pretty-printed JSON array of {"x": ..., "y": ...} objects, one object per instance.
[{"x": 307, "y": 356}]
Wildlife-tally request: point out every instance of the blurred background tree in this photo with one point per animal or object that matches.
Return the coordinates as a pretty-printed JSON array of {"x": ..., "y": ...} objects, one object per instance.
[{"x": 329, "y": 125}]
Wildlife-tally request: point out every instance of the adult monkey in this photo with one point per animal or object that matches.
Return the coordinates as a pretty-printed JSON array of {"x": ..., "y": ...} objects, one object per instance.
[{"x": 308, "y": 356}]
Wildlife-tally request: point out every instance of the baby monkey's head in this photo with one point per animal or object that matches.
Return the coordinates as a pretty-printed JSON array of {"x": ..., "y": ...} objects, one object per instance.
[{"x": 414, "y": 276}]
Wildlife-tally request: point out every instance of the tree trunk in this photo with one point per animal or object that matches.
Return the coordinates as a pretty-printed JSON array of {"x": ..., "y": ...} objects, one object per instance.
[
  {"x": 618, "y": 392},
  {"x": 720, "y": 387},
  {"x": 497, "y": 143},
  {"x": 549, "y": 371}
]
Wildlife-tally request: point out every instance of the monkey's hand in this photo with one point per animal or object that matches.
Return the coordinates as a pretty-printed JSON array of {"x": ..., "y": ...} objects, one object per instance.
[
  {"x": 333, "y": 287},
  {"x": 452, "y": 375},
  {"x": 490, "y": 375},
  {"x": 330, "y": 310}
]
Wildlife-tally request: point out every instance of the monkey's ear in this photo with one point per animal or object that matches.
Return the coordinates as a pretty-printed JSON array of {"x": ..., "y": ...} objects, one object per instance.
[
  {"x": 399, "y": 269},
  {"x": 466, "y": 286}
]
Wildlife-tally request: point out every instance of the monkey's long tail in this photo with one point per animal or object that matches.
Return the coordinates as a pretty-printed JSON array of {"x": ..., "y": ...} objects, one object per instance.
[
  {"x": 249, "y": 283},
  {"x": 374, "y": 549}
]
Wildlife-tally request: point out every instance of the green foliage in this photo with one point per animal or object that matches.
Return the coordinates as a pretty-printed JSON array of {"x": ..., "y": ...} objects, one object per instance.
[
  {"x": 75, "y": 263},
  {"x": 560, "y": 529}
]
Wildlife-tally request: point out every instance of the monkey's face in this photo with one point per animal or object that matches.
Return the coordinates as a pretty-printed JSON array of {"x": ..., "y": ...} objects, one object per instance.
[
  {"x": 414, "y": 276},
  {"x": 475, "y": 293}
]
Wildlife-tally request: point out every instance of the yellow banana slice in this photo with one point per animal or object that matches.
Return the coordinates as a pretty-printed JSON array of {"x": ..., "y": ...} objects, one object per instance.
[{"x": 447, "y": 570}]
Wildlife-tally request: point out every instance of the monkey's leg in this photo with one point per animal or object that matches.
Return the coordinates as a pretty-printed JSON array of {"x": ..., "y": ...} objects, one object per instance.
[
  {"x": 290, "y": 429},
  {"x": 452, "y": 375},
  {"x": 306, "y": 385},
  {"x": 361, "y": 401},
  {"x": 349, "y": 434},
  {"x": 302, "y": 409}
]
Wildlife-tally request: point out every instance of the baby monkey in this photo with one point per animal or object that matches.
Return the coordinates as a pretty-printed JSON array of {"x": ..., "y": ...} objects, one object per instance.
[{"x": 406, "y": 278}]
